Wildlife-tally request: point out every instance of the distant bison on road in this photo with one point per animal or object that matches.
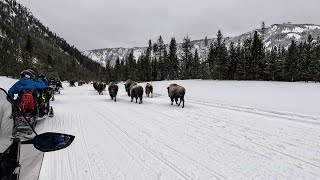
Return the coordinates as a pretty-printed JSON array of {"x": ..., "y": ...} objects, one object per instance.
[
  {"x": 127, "y": 86},
  {"x": 113, "y": 91},
  {"x": 175, "y": 92},
  {"x": 136, "y": 91},
  {"x": 149, "y": 89}
]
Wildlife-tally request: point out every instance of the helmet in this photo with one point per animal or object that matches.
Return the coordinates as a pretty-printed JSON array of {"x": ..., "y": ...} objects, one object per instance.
[
  {"x": 27, "y": 74},
  {"x": 42, "y": 76}
]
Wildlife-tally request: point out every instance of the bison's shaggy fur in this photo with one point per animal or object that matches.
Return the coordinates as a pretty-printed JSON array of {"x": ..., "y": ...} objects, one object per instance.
[
  {"x": 113, "y": 91},
  {"x": 175, "y": 92},
  {"x": 149, "y": 89},
  {"x": 127, "y": 85},
  {"x": 136, "y": 91},
  {"x": 95, "y": 85},
  {"x": 101, "y": 87}
]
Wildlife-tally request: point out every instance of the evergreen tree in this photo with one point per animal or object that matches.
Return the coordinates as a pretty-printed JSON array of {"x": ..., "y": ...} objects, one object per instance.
[
  {"x": 291, "y": 63},
  {"x": 211, "y": 61},
  {"x": 161, "y": 58},
  {"x": 186, "y": 58},
  {"x": 154, "y": 69},
  {"x": 233, "y": 62},
  {"x": 220, "y": 58},
  {"x": 173, "y": 66},
  {"x": 257, "y": 55},
  {"x": 29, "y": 45},
  {"x": 132, "y": 67},
  {"x": 195, "y": 69},
  {"x": 117, "y": 70},
  {"x": 272, "y": 65},
  {"x": 206, "y": 41}
]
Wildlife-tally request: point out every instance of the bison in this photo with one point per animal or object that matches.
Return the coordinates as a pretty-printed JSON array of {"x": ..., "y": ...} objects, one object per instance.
[
  {"x": 175, "y": 92},
  {"x": 101, "y": 87},
  {"x": 149, "y": 89},
  {"x": 127, "y": 86},
  {"x": 113, "y": 91},
  {"x": 136, "y": 91},
  {"x": 95, "y": 85}
]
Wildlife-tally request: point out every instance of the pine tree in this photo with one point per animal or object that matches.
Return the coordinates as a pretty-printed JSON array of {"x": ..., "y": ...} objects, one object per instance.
[
  {"x": 29, "y": 45},
  {"x": 132, "y": 66},
  {"x": 272, "y": 65},
  {"x": 161, "y": 58},
  {"x": 220, "y": 58},
  {"x": 195, "y": 69},
  {"x": 173, "y": 66},
  {"x": 233, "y": 62},
  {"x": 257, "y": 55},
  {"x": 241, "y": 65},
  {"x": 291, "y": 63},
  {"x": 211, "y": 61},
  {"x": 117, "y": 70},
  {"x": 206, "y": 41},
  {"x": 154, "y": 69},
  {"x": 263, "y": 29},
  {"x": 186, "y": 58}
]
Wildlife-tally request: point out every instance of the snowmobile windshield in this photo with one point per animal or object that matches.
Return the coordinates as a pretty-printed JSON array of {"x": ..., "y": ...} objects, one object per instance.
[{"x": 6, "y": 124}]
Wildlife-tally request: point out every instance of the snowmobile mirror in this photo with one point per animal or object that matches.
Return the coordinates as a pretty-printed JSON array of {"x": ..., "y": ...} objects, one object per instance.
[{"x": 50, "y": 141}]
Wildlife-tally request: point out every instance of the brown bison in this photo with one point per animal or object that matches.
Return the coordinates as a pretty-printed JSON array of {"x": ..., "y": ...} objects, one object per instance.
[
  {"x": 175, "y": 92},
  {"x": 149, "y": 89},
  {"x": 127, "y": 86},
  {"x": 95, "y": 85},
  {"x": 113, "y": 91},
  {"x": 101, "y": 87},
  {"x": 136, "y": 91}
]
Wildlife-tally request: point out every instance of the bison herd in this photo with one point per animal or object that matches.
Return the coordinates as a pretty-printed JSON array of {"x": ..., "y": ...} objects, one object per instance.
[{"x": 135, "y": 91}]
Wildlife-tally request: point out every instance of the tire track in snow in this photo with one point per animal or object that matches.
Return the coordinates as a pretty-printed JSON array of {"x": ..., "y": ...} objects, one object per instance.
[
  {"x": 182, "y": 156},
  {"x": 172, "y": 166},
  {"x": 269, "y": 134},
  {"x": 249, "y": 141},
  {"x": 85, "y": 146}
]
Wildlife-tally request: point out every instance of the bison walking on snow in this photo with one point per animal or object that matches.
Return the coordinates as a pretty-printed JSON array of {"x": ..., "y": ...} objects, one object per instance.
[
  {"x": 136, "y": 91},
  {"x": 127, "y": 86},
  {"x": 101, "y": 87},
  {"x": 113, "y": 91},
  {"x": 175, "y": 92},
  {"x": 149, "y": 89}
]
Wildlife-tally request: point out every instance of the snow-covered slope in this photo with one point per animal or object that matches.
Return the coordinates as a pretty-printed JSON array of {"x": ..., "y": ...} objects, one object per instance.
[
  {"x": 205, "y": 140},
  {"x": 279, "y": 35}
]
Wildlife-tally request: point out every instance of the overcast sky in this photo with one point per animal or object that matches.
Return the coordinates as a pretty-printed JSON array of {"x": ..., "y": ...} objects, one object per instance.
[{"x": 94, "y": 24}]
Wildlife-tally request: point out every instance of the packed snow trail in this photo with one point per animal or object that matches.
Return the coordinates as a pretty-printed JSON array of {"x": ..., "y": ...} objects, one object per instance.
[
  {"x": 124, "y": 140},
  {"x": 206, "y": 140}
]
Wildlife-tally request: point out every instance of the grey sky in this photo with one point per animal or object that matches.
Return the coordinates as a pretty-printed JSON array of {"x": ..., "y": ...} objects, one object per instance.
[{"x": 93, "y": 24}]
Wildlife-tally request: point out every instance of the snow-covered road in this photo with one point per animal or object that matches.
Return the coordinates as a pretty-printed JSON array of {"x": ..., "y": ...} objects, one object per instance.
[{"x": 124, "y": 140}]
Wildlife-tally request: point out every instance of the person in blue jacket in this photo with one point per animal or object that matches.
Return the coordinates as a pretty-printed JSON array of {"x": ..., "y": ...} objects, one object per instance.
[{"x": 26, "y": 82}]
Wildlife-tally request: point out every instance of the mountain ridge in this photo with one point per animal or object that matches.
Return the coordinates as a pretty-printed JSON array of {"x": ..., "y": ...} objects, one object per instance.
[
  {"x": 279, "y": 35},
  {"x": 26, "y": 42}
]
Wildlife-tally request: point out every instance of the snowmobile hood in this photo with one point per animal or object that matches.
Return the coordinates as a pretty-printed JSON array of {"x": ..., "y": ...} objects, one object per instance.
[{"x": 6, "y": 124}]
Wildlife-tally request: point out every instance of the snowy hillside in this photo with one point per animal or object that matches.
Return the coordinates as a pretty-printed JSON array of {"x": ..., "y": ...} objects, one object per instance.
[
  {"x": 279, "y": 35},
  {"x": 227, "y": 130}
]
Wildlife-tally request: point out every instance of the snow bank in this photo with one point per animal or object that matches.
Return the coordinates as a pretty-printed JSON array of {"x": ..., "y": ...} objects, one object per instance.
[{"x": 301, "y": 98}]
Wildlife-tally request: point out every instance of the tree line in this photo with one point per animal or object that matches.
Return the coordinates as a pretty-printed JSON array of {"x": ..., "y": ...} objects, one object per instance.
[{"x": 247, "y": 61}]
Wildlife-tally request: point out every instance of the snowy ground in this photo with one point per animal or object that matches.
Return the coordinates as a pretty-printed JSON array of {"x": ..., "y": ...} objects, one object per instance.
[{"x": 227, "y": 130}]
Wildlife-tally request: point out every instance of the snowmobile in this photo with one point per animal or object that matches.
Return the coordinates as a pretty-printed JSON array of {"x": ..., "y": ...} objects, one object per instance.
[
  {"x": 28, "y": 105},
  {"x": 44, "y": 104},
  {"x": 21, "y": 156}
]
